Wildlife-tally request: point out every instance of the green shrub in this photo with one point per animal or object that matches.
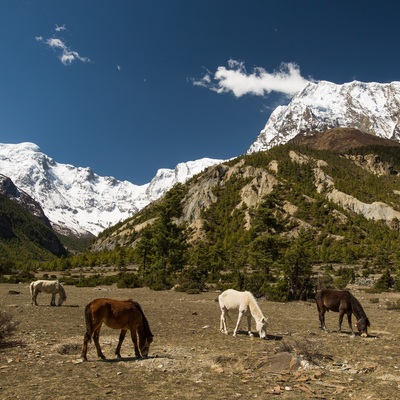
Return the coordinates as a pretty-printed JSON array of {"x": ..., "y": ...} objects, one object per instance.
[
  {"x": 128, "y": 280},
  {"x": 7, "y": 325},
  {"x": 278, "y": 292},
  {"x": 385, "y": 282},
  {"x": 191, "y": 279},
  {"x": 345, "y": 276}
]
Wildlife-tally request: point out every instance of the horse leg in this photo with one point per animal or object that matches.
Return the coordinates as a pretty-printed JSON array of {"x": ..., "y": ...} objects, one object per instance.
[
  {"x": 241, "y": 312},
  {"x": 86, "y": 339},
  {"x": 34, "y": 297},
  {"x": 321, "y": 316},
  {"x": 349, "y": 322},
  {"x": 121, "y": 339},
  {"x": 53, "y": 299},
  {"x": 222, "y": 325},
  {"x": 135, "y": 342},
  {"x": 249, "y": 325},
  {"x": 96, "y": 337},
  {"x": 341, "y": 315}
]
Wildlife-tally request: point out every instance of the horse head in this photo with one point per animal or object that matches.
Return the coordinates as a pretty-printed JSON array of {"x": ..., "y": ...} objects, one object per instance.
[
  {"x": 261, "y": 326},
  {"x": 144, "y": 346},
  {"x": 362, "y": 325}
]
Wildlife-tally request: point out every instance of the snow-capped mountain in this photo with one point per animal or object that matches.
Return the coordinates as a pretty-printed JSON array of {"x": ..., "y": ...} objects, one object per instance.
[
  {"x": 373, "y": 108},
  {"x": 76, "y": 199}
]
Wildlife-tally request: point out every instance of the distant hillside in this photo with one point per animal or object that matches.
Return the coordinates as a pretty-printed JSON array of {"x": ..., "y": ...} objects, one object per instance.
[
  {"x": 24, "y": 237},
  {"x": 270, "y": 211}
]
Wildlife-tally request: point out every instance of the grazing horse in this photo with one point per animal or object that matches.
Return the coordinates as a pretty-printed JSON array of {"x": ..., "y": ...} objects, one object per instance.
[
  {"x": 343, "y": 302},
  {"x": 117, "y": 314},
  {"x": 52, "y": 287},
  {"x": 247, "y": 305}
]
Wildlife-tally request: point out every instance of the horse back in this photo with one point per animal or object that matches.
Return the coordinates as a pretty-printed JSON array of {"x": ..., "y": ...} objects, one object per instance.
[
  {"x": 116, "y": 314},
  {"x": 334, "y": 300},
  {"x": 233, "y": 299}
]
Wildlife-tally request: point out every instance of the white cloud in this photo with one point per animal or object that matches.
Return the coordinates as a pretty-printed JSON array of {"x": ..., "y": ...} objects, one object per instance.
[
  {"x": 60, "y": 28},
  {"x": 66, "y": 55},
  {"x": 235, "y": 78},
  {"x": 56, "y": 43}
]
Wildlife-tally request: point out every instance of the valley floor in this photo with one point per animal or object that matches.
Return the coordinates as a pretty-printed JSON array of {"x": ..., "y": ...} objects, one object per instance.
[{"x": 190, "y": 358}]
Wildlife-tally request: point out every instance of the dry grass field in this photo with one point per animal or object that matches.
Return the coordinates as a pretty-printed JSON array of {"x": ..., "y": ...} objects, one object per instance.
[{"x": 190, "y": 358}]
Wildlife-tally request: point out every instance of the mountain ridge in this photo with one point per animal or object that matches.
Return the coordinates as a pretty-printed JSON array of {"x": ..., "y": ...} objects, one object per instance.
[
  {"x": 76, "y": 200},
  {"x": 81, "y": 203},
  {"x": 372, "y": 108}
]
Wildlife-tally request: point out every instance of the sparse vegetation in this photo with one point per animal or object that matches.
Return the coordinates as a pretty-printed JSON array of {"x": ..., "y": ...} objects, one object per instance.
[
  {"x": 307, "y": 349},
  {"x": 393, "y": 305},
  {"x": 8, "y": 325}
]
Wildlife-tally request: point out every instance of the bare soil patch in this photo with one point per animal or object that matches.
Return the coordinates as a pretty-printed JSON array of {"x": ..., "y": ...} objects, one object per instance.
[{"x": 190, "y": 358}]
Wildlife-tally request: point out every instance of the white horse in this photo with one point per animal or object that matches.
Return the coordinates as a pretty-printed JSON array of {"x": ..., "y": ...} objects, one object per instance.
[
  {"x": 52, "y": 287},
  {"x": 246, "y": 303}
]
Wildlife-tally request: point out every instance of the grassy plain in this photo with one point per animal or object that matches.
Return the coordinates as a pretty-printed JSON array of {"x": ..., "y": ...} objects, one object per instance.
[{"x": 190, "y": 358}]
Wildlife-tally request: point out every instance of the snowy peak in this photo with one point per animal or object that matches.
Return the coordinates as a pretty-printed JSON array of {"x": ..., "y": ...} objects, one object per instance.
[
  {"x": 167, "y": 178},
  {"x": 372, "y": 108},
  {"x": 76, "y": 200}
]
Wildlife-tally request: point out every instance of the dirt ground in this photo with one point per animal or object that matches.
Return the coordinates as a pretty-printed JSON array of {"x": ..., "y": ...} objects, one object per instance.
[{"x": 190, "y": 358}]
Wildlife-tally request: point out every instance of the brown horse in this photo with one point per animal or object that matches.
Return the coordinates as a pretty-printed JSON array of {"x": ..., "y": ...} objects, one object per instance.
[
  {"x": 343, "y": 302},
  {"x": 117, "y": 314}
]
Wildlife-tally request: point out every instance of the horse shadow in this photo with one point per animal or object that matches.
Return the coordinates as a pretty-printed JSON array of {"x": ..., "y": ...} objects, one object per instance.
[
  {"x": 130, "y": 359},
  {"x": 56, "y": 306},
  {"x": 348, "y": 333},
  {"x": 257, "y": 335}
]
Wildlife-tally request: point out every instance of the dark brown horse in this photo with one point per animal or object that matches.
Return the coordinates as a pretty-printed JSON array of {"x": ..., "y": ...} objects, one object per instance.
[
  {"x": 117, "y": 314},
  {"x": 343, "y": 302}
]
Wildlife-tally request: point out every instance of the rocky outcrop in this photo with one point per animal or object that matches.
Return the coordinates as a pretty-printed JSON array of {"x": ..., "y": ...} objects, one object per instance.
[{"x": 325, "y": 184}]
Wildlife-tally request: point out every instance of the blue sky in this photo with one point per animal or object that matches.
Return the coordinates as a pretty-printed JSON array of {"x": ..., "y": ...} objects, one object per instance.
[{"x": 126, "y": 87}]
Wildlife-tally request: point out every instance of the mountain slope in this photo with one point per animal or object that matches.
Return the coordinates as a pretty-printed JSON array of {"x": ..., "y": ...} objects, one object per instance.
[
  {"x": 247, "y": 211},
  {"x": 76, "y": 200},
  {"x": 341, "y": 140},
  {"x": 24, "y": 237},
  {"x": 372, "y": 108}
]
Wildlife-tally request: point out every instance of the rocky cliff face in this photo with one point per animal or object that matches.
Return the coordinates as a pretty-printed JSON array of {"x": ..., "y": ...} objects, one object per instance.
[{"x": 12, "y": 192}]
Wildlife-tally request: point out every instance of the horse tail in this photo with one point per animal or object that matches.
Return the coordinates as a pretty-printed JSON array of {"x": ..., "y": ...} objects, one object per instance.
[
  {"x": 318, "y": 299},
  {"x": 144, "y": 319},
  {"x": 89, "y": 324},
  {"x": 31, "y": 288}
]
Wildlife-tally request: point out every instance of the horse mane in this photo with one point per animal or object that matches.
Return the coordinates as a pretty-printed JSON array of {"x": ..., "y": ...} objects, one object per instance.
[
  {"x": 358, "y": 310},
  {"x": 145, "y": 322},
  {"x": 254, "y": 307},
  {"x": 62, "y": 292}
]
